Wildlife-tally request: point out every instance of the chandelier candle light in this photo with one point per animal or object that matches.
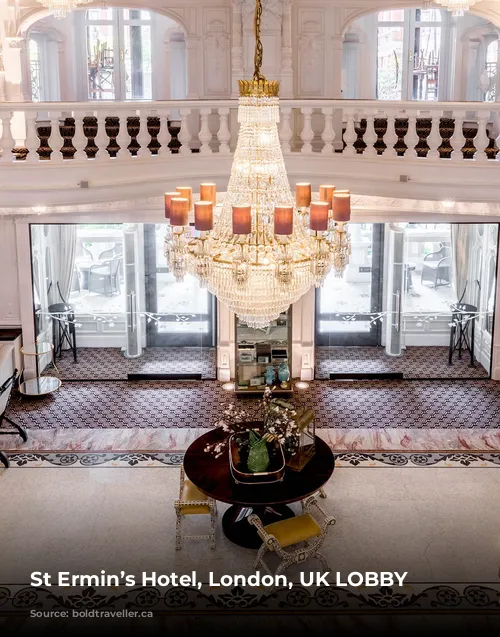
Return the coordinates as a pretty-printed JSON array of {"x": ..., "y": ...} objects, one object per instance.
[{"x": 256, "y": 249}]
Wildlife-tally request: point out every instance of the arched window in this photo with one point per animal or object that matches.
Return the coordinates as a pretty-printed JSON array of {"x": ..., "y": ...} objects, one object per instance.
[
  {"x": 491, "y": 69},
  {"x": 408, "y": 54},
  {"x": 119, "y": 54}
]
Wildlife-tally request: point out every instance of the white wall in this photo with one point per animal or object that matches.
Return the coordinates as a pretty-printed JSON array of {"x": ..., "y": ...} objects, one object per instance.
[{"x": 10, "y": 315}]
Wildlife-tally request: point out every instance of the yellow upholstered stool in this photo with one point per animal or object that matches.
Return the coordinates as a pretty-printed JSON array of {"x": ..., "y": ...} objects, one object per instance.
[
  {"x": 303, "y": 529},
  {"x": 192, "y": 501},
  {"x": 294, "y": 530}
]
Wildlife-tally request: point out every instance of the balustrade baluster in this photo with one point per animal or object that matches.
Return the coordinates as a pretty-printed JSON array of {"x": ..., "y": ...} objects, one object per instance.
[
  {"x": 350, "y": 135},
  {"x": 391, "y": 137},
  {"x": 56, "y": 140},
  {"x": 457, "y": 140},
  {"x": 101, "y": 139},
  {"x": 285, "y": 131},
  {"x": 411, "y": 137},
  {"x": 205, "y": 136},
  {"x": 328, "y": 134},
  {"x": 79, "y": 140},
  {"x": 123, "y": 137},
  {"x": 482, "y": 140},
  {"x": 7, "y": 142},
  {"x": 224, "y": 134},
  {"x": 184, "y": 135},
  {"x": 370, "y": 137},
  {"x": 434, "y": 139},
  {"x": 307, "y": 134},
  {"x": 164, "y": 136},
  {"x": 31, "y": 143},
  {"x": 143, "y": 137}
]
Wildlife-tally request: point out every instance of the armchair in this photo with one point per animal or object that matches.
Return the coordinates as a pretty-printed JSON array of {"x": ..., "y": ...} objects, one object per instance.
[
  {"x": 436, "y": 267},
  {"x": 104, "y": 277},
  {"x": 302, "y": 529}
]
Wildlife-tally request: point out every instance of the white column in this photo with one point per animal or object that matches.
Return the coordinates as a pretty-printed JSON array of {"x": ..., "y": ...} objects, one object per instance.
[
  {"x": 79, "y": 140},
  {"x": 328, "y": 134},
  {"x": 7, "y": 141},
  {"x": 307, "y": 134},
  {"x": 184, "y": 135},
  {"x": 31, "y": 142},
  {"x": 350, "y": 135},
  {"x": 13, "y": 63},
  {"x": 370, "y": 136},
  {"x": 167, "y": 72},
  {"x": 236, "y": 47},
  {"x": 390, "y": 137},
  {"x": 164, "y": 136},
  {"x": 286, "y": 84},
  {"x": 303, "y": 333},
  {"x": 193, "y": 66},
  {"x": 457, "y": 140},
  {"x": 224, "y": 134},
  {"x": 101, "y": 139},
  {"x": 56, "y": 140},
  {"x": 205, "y": 136},
  {"x": 411, "y": 137},
  {"x": 143, "y": 138},
  {"x": 226, "y": 343},
  {"x": 333, "y": 87},
  {"x": 434, "y": 139},
  {"x": 481, "y": 140}
]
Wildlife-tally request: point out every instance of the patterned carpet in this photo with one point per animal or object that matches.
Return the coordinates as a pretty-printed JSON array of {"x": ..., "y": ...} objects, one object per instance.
[
  {"x": 108, "y": 363},
  {"x": 416, "y": 362},
  {"x": 370, "y": 404}
]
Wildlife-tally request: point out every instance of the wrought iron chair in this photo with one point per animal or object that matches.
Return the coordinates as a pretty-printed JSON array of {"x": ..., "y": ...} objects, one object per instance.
[
  {"x": 436, "y": 267},
  {"x": 5, "y": 392},
  {"x": 192, "y": 501},
  {"x": 104, "y": 277},
  {"x": 303, "y": 529}
]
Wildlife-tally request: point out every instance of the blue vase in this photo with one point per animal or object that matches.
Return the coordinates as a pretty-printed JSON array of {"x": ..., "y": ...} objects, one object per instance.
[
  {"x": 284, "y": 372},
  {"x": 270, "y": 375}
]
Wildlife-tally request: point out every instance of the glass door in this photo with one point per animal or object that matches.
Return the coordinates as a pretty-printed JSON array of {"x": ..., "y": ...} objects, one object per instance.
[
  {"x": 184, "y": 313},
  {"x": 347, "y": 308},
  {"x": 409, "y": 43},
  {"x": 119, "y": 54}
]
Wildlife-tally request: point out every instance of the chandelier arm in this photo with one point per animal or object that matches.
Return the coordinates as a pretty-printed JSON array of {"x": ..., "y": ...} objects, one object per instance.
[{"x": 259, "y": 50}]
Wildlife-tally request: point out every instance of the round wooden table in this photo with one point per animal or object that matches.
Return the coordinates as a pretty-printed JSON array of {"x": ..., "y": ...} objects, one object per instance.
[{"x": 213, "y": 477}]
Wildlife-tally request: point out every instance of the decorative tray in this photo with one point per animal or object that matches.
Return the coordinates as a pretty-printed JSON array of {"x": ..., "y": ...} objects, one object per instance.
[{"x": 239, "y": 470}]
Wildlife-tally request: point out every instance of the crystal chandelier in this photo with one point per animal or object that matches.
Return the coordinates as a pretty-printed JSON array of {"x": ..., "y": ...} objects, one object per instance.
[
  {"x": 61, "y": 8},
  {"x": 457, "y": 7},
  {"x": 263, "y": 251}
]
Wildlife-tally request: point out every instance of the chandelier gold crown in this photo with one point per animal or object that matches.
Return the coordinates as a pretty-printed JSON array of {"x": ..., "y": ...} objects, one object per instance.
[
  {"x": 259, "y": 88},
  {"x": 255, "y": 247}
]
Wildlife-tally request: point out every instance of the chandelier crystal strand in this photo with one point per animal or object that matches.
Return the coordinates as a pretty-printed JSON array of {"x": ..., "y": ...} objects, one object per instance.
[
  {"x": 61, "y": 8},
  {"x": 255, "y": 265},
  {"x": 457, "y": 7}
]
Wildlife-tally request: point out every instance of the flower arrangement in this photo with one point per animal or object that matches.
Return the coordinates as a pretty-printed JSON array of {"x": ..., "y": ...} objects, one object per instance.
[{"x": 279, "y": 424}]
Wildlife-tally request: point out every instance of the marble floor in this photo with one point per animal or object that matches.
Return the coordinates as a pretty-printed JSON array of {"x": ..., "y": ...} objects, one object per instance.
[{"x": 109, "y": 519}]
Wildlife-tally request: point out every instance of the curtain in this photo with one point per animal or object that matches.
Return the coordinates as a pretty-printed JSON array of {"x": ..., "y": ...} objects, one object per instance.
[
  {"x": 460, "y": 247},
  {"x": 64, "y": 249}
]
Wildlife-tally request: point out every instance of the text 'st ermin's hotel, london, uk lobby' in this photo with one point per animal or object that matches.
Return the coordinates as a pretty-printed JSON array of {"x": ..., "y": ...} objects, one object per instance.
[{"x": 249, "y": 320}]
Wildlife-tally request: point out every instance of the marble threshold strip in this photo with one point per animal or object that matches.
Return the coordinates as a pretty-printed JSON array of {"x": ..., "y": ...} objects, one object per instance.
[{"x": 179, "y": 439}]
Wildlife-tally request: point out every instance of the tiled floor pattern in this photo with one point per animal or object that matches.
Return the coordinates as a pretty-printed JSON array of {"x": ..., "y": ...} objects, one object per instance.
[
  {"x": 416, "y": 362},
  {"x": 199, "y": 404},
  {"x": 108, "y": 363}
]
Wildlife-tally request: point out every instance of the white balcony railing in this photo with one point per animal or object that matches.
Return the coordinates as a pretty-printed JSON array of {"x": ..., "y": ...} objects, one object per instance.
[{"x": 69, "y": 133}]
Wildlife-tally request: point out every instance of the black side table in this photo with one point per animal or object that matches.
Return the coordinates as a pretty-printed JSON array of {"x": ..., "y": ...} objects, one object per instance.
[
  {"x": 63, "y": 328},
  {"x": 461, "y": 337}
]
